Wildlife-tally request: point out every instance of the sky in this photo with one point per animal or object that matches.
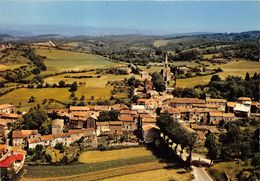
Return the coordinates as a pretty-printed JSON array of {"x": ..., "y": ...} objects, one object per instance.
[{"x": 146, "y": 16}]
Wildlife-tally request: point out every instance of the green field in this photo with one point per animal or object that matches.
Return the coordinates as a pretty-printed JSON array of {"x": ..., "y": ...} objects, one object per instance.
[
  {"x": 62, "y": 60},
  {"x": 122, "y": 164},
  {"x": 101, "y": 156},
  {"x": 58, "y": 61},
  {"x": 75, "y": 169},
  {"x": 236, "y": 68}
]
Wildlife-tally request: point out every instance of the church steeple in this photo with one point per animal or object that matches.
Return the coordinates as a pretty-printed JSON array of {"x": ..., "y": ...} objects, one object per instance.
[
  {"x": 166, "y": 59},
  {"x": 166, "y": 69}
]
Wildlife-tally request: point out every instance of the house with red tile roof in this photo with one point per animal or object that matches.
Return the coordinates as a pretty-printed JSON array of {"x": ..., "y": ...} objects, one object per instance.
[
  {"x": 7, "y": 108},
  {"x": 217, "y": 102},
  {"x": 184, "y": 102},
  {"x": 116, "y": 127},
  {"x": 129, "y": 122},
  {"x": 19, "y": 138},
  {"x": 102, "y": 128}
]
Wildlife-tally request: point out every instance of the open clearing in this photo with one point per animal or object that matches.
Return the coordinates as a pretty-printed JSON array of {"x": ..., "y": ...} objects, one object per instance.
[
  {"x": 101, "y": 156},
  {"x": 62, "y": 60},
  {"x": 235, "y": 68}
]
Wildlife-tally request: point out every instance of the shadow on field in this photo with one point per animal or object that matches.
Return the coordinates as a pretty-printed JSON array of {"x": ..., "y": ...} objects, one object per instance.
[{"x": 166, "y": 155}]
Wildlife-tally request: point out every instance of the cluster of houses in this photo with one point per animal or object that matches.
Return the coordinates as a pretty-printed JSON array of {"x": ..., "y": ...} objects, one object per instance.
[
  {"x": 77, "y": 122},
  {"x": 28, "y": 139},
  {"x": 11, "y": 158},
  {"x": 83, "y": 121}
]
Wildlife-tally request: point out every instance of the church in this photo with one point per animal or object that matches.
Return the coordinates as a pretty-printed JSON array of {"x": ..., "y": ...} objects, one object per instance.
[{"x": 167, "y": 75}]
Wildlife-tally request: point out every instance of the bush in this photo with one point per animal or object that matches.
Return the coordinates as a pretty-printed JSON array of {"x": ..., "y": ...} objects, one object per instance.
[
  {"x": 48, "y": 157},
  {"x": 59, "y": 146},
  {"x": 101, "y": 147},
  {"x": 217, "y": 175},
  {"x": 256, "y": 160}
]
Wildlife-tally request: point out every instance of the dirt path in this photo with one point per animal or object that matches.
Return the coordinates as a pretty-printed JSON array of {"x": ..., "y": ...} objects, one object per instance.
[
  {"x": 105, "y": 173},
  {"x": 200, "y": 174}
]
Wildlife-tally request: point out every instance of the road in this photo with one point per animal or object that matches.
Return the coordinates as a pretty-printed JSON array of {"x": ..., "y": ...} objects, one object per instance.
[{"x": 200, "y": 174}]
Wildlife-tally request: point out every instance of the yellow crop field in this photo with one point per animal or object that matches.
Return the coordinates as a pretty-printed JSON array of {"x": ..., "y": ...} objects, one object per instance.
[
  {"x": 22, "y": 96},
  {"x": 101, "y": 156},
  {"x": 235, "y": 68},
  {"x": 154, "y": 175}
]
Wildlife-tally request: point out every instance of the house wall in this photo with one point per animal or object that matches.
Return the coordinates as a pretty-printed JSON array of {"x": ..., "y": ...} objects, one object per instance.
[
  {"x": 19, "y": 142},
  {"x": 116, "y": 129},
  {"x": 102, "y": 129},
  {"x": 33, "y": 145},
  {"x": 129, "y": 126},
  {"x": 8, "y": 110}
]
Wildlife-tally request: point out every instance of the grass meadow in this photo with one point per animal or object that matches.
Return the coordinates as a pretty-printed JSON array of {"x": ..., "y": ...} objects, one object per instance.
[{"x": 62, "y": 60}]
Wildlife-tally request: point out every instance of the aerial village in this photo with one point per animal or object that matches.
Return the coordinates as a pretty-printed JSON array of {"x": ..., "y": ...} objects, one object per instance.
[{"x": 82, "y": 122}]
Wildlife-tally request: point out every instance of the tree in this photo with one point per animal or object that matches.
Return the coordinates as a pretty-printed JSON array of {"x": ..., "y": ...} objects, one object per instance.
[
  {"x": 113, "y": 114},
  {"x": 36, "y": 119},
  {"x": 215, "y": 78},
  {"x": 247, "y": 77},
  {"x": 158, "y": 82},
  {"x": 133, "y": 82},
  {"x": 104, "y": 116},
  {"x": 31, "y": 99},
  {"x": 191, "y": 141},
  {"x": 108, "y": 115},
  {"x": 213, "y": 146},
  {"x": 74, "y": 87},
  {"x": 256, "y": 160},
  {"x": 62, "y": 83},
  {"x": 82, "y": 98},
  {"x": 59, "y": 146},
  {"x": 38, "y": 152}
]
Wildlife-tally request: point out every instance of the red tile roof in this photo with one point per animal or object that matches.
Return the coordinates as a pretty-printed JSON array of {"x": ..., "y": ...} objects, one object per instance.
[
  {"x": 76, "y": 131},
  {"x": 79, "y": 108},
  {"x": 244, "y": 99},
  {"x": 231, "y": 104},
  {"x": 34, "y": 140},
  {"x": 103, "y": 123},
  {"x": 126, "y": 117},
  {"x": 47, "y": 137},
  {"x": 10, "y": 160},
  {"x": 6, "y": 106},
  {"x": 216, "y": 100},
  {"x": 115, "y": 123},
  {"x": 187, "y": 100}
]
